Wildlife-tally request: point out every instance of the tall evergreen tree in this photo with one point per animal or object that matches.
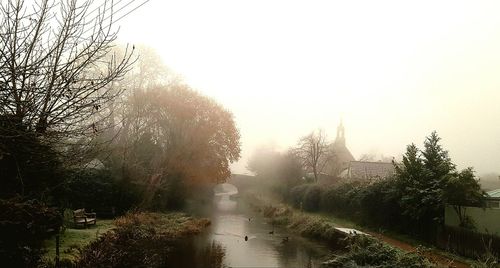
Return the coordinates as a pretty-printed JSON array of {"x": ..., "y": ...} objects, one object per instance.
[
  {"x": 436, "y": 160},
  {"x": 428, "y": 180},
  {"x": 422, "y": 178},
  {"x": 411, "y": 176}
]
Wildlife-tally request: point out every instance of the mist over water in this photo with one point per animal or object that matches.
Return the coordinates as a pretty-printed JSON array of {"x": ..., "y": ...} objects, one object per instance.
[{"x": 232, "y": 220}]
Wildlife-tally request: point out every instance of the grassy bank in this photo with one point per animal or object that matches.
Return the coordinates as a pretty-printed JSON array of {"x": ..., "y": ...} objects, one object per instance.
[
  {"x": 321, "y": 226},
  {"x": 138, "y": 239},
  {"x": 73, "y": 240},
  {"x": 312, "y": 225}
]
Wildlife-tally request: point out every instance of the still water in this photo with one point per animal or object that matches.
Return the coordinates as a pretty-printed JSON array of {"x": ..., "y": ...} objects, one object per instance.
[{"x": 223, "y": 244}]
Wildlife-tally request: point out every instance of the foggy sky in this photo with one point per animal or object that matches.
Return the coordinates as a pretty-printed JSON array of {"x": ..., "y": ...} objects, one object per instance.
[{"x": 394, "y": 71}]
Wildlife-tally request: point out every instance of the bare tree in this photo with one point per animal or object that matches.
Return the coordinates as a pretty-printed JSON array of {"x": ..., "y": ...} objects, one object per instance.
[
  {"x": 55, "y": 67},
  {"x": 312, "y": 150},
  {"x": 369, "y": 157},
  {"x": 150, "y": 71}
]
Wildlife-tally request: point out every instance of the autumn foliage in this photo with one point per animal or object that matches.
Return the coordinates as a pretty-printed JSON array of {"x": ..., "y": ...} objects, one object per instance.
[{"x": 172, "y": 138}]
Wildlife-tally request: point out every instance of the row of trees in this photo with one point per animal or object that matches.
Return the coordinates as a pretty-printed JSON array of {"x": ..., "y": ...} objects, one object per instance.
[
  {"x": 69, "y": 97},
  {"x": 67, "y": 93},
  {"x": 411, "y": 201},
  {"x": 56, "y": 70}
]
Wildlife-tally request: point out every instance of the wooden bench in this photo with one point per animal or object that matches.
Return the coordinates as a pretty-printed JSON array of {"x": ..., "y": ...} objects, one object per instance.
[{"x": 80, "y": 217}]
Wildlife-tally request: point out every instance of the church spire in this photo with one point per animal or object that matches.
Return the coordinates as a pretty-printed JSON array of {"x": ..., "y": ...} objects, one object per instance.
[{"x": 340, "y": 140}]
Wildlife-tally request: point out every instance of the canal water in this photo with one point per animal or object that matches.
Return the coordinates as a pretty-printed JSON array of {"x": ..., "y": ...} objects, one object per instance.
[{"x": 223, "y": 244}]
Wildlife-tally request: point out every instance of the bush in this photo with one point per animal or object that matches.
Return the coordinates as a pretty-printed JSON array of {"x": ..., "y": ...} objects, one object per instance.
[
  {"x": 374, "y": 203},
  {"x": 96, "y": 190},
  {"x": 23, "y": 227},
  {"x": 342, "y": 199},
  {"x": 379, "y": 204},
  {"x": 173, "y": 194},
  {"x": 28, "y": 167},
  {"x": 312, "y": 198},
  {"x": 306, "y": 196},
  {"x": 364, "y": 251},
  {"x": 297, "y": 194}
]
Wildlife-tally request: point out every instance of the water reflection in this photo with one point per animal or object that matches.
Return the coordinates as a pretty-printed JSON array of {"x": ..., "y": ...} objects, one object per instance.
[
  {"x": 224, "y": 245},
  {"x": 197, "y": 254},
  {"x": 214, "y": 256}
]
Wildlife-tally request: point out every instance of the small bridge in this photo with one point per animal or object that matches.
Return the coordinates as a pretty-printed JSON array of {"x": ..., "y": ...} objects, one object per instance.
[{"x": 242, "y": 182}]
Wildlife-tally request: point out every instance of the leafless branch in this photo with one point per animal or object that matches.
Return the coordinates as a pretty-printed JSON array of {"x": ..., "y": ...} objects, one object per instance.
[{"x": 56, "y": 66}]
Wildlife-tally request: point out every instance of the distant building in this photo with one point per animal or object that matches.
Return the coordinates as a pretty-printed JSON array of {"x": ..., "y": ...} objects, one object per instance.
[
  {"x": 493, "y": 199},
  {"x": 342, "y": 163},
  {"x": 369, "y": 170},
  {"x": 485, "y": 219},
  {"x": 341, "y": 156}
]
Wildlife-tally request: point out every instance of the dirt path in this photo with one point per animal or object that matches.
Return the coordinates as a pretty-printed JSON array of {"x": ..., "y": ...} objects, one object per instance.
[{"x": 434, "y": 257}]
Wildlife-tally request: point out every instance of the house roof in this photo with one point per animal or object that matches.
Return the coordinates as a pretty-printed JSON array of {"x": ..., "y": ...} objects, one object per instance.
[
  {"x": 365, "y": 169},
  {"x": 494, "y": 193},
  {"x": 341, "y": 153}
]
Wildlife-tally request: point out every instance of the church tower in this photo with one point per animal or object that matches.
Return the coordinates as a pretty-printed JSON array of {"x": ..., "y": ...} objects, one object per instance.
[
  {"x": 341, "y": 155},
  {"x": 340, "y": 140}
]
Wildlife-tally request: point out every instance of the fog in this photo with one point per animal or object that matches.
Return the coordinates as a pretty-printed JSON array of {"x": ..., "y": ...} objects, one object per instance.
[{"x": 392, "y": 71}]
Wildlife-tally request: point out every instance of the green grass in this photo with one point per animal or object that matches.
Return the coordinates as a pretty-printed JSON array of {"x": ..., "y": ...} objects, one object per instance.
[
  {"x": 319, "y": 225},
  {"x": 73, "y": 239},
  {"x": 158, "y": 225},
  {"x": 339, "y": 222}
]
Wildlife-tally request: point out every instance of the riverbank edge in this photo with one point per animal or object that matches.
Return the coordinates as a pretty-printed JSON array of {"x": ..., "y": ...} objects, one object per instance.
[
  {"x": 164, "y": 226},
  {"x": 322, "y": 227},
  {"x": 74, "y": 239}
]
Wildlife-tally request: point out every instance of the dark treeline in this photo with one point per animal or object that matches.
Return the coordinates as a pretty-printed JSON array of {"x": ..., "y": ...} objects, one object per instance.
[{"x": 412, "y": 201}]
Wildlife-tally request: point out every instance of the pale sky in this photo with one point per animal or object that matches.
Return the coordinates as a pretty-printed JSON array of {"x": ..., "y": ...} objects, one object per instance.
[{"x": 393, "y": 70}]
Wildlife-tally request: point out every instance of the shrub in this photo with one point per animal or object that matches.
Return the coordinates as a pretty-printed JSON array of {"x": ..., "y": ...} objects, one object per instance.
[
  {"x": 342, "y": 199},
  {"x": 312, "y": 198},
  {"x": 306, "y": 196},
  {"x": 297, "y": 195},
  {"x": 379, "y": 204},
  {"x": 171, "y": 195},
  {"x": 368, "y": 252},
  {"x": 23, "y": 227},
  {"x": 374, "y": 203},
  {"x": 97, "y": 190},
  {"x": 28, "y": 167}
]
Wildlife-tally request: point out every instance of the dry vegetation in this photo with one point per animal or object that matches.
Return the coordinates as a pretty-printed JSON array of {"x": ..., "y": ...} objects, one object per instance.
[{"x": 140, "y": 239}]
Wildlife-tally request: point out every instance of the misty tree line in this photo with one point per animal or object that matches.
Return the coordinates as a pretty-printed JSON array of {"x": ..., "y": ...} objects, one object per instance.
[
  {"x": 87, "y": 123},
  {"x": 69, "y": 95},
  {"x": 412, "y": 201}
]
